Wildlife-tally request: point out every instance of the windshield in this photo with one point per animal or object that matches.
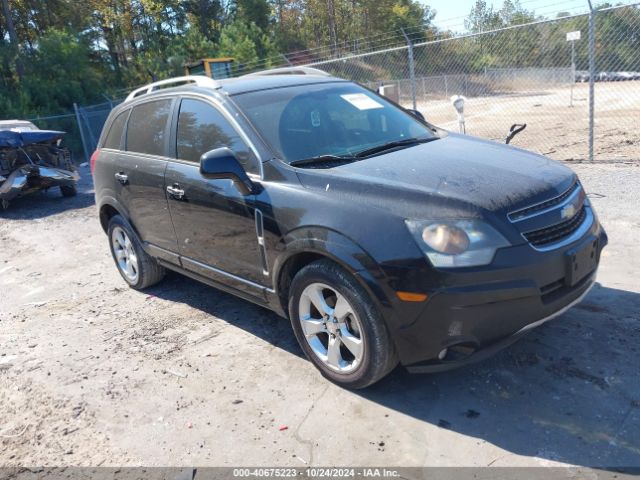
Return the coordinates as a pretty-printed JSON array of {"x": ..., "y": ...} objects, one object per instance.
[{"x": 336, "y": 119}]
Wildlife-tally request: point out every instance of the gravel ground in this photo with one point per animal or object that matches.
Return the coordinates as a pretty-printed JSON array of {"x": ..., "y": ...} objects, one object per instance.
[
  {"x": 94, "y": 373},
  {"x": 553, "y": 127}
]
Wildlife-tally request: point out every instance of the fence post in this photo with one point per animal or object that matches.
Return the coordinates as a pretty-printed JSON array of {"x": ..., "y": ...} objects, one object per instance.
[
  {"x": 84, "y": 143},
  {"x": 412, "y": 72},
  {"x": 592, "y": 74}
]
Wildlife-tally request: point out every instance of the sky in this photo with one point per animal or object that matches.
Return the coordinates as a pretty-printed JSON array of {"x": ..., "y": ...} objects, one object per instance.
[{"x": 451, "y": 13}]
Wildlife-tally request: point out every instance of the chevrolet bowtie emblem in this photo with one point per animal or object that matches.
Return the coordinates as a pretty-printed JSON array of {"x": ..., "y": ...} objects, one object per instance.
[{"x": 568, "y": 212}]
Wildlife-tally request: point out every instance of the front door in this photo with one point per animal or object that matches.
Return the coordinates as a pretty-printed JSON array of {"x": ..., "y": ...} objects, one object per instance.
[{"x": 215, "y": 224}]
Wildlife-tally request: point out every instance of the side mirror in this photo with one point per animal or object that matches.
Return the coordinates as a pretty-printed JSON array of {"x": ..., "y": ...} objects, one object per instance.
[
  {"x": 417, "y": 114},
  {"x": 222, "y": 163}
]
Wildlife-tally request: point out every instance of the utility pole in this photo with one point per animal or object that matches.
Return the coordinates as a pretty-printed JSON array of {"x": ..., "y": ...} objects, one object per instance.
[
  {"x": 84, "y": 141},
  {"x": 412, "y": 70},
  {"x": 592, "y": 74},
  {"x": 333, "y": 28},
  {"x": 572, "y": 37}
]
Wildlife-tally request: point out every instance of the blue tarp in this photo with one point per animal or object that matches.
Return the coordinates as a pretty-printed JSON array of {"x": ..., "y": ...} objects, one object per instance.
[{"x": 13, "y": 139}]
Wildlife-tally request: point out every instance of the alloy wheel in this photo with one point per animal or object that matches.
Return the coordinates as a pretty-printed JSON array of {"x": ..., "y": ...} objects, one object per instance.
[
  {"x": 126, "y": 257},
  {"x": 331, "y": 328}
]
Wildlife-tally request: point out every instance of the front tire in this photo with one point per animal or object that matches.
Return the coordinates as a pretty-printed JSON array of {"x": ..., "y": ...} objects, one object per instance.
[
  {"x": 137, "y": 268},
  {"x": 338, "y": 327},
  {"x": 68, "y": 190}
]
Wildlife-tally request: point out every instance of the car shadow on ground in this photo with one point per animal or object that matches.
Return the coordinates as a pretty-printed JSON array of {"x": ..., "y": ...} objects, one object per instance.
[
  {"x": 46, "y": 203},
  {"x": 240, "y": 313},
  {"x": 567, "y": 392}
]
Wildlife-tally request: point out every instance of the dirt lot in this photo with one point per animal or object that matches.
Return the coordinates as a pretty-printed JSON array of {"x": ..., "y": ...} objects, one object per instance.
[
  {"x": 553, "y": 127},
  {"x": 93, "y": 373}
]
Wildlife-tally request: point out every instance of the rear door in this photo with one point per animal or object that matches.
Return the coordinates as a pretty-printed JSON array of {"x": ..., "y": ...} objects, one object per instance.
[
  {"x": 214, "y": 223},
  {"x": 140, "y": 174}
]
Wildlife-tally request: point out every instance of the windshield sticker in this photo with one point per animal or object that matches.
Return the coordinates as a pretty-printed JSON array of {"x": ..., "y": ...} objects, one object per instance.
[
  {"x": 361, "y": 101},
  {"x": 315, "y": 118}
]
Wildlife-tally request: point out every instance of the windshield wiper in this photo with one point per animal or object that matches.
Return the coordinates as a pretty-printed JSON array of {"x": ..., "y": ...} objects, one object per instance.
[
  {"x": 391, "y": 145},
  {"x": 322, "y": 159}
]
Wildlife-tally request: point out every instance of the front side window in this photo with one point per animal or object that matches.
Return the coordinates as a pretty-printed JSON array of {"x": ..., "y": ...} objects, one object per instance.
[
  {"x": 202, "y": 128},
  {"x": 146, "y": 130},
  {"x": 341, "y": 119}
]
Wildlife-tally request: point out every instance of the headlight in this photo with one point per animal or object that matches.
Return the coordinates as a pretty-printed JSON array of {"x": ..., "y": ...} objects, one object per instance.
[{"x": 457, "y": 243}]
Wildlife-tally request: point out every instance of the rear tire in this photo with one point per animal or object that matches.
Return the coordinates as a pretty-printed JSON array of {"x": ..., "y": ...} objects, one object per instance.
[
  {"x": 68, "y": 190},
  {"x": 137, "y": 268},
  {"x": 344, "y": 336}
]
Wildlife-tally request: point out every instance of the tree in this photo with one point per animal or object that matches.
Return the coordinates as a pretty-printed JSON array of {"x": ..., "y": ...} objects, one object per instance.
[
  {"x": 63, "y": 60},
  {"x": 207, "y": 15},
  {"x": 253, "y": 11},
  {"x": 13, "y": 37},
  {"x": 247, "y": 44},
  {"x": 482, "y": 18}
]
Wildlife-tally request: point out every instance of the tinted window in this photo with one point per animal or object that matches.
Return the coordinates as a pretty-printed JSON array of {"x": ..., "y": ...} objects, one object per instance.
[
  {"x": 201, "y": 128},
  {"x": 115, "y": 132},
  {"x": 331, "y": 118},
  {"x": 147, "y": 127}
]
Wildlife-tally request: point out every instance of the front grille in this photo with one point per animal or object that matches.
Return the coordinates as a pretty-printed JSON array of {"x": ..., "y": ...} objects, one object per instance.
[
  {"x": 539, "y": 207},
  {"x": 557, "y": 232}
]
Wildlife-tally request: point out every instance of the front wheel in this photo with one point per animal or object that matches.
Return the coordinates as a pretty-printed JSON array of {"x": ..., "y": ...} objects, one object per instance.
[
  {"x": 338, "y": 326},
  {"x": 68, "y": 190}
]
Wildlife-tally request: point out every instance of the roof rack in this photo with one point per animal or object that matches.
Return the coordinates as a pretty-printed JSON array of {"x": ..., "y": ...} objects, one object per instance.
[
  {"x": 290, "y": 71},
  {"x": 198, "y": 80}
]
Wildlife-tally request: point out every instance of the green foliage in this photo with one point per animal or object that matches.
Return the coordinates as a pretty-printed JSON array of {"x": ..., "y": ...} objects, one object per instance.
[
  {"x": 62, "y": 61},
  {"x": 253, "y": 11},
  {"x": 247, "y": 43}
]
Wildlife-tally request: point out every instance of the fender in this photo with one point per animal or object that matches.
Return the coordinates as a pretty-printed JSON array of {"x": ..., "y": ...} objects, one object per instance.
[
  {"x": 153, "y": 250},
  {"x": 342, "y": 250},
  {"x": 107, "y": 198}
]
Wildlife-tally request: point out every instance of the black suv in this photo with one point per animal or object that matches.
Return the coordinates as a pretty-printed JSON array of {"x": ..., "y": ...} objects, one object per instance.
[{"x": 381, "y": 237}]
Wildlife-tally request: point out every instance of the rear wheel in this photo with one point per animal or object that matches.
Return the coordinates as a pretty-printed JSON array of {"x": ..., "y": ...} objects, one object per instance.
[
  {"x": 338, "y": 326},
  {"x": 138, "y": 268},
  {"x": 68, "y": 190}
]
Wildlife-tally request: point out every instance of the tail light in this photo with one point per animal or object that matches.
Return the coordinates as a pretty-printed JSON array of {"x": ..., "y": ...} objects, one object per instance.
[{"x": 92, "y": 160}]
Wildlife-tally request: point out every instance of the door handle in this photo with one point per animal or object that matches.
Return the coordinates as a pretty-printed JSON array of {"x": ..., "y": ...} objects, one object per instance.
[
  {"x": 122, "y": 177},
  {"x": 175, "y": 191}
]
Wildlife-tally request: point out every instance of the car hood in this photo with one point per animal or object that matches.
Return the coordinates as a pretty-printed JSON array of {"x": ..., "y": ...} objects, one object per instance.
[
  {"x": 456, "y": 171},
  {"x": 22, "y": 138}
]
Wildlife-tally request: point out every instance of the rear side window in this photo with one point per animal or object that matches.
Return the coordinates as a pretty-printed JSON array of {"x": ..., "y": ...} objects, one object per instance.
[
  {"x": 115, "y": 132},
  {"x": 201, "y": 128},
  {"x": 147, "y": 127}
]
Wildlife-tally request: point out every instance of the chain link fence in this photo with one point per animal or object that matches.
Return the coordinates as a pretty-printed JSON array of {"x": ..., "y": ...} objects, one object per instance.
[
  {"x": 523, "y": 74},
  {"x": 83, "y": 127},
  {"x": 90, "y": 120}
]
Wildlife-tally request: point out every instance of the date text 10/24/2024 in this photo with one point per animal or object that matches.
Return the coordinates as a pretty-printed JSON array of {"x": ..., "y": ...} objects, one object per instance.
[{"x": 317, "y": 472}]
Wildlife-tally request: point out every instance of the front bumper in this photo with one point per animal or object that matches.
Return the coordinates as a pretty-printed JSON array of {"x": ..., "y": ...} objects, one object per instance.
[
  {"x": 472, "y": 314},
  {"x": 461, "y": 358},
  {"x": 32, "y": 178}
]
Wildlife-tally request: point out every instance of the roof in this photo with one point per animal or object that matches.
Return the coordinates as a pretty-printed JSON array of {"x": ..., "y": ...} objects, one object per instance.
[
  {"x": 231, "y": 86},
  {"x": 235, "y": 86}
]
